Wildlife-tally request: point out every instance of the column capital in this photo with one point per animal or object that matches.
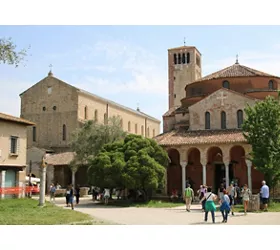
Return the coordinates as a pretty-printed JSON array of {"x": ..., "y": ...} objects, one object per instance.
[
  {"x": 183, "y": 164},
  {"x": 248, "y": 163}
]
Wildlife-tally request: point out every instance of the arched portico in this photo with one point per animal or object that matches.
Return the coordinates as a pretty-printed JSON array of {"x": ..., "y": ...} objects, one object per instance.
[
  {"x": 194, "y": 168},
  {"x": 174, "y": 173}
]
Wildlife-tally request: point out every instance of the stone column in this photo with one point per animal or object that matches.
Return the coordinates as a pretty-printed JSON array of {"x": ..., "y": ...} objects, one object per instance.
[
  {"x": 227, "y": 174},
  {"x": 249, "y": 173},
  {"x": 204, "y": 174},
  {"x": 165, "y": 184},
  {"x": 183, "y": 165},
  {"x": 73, "y": 177},
  {"x": 3, "y": 180}
]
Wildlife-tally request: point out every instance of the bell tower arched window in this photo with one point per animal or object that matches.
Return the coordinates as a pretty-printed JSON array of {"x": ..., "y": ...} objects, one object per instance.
[
  {"x": 270, "y": 84},
  {"x": 207, "y": 120},
  {"x": 64, "y": 132},
  {"x": 226, "y": 84},
  {"x": 239, "y": 118},
  {"x": 86, "y": 116},
  {"x": 179, "y": 58},
  {"x": 188, "y": 57},
  {"x": 223, "y": 120},
  {"x": 183, "y": 58},
  {"x": 175, "y": 59}
]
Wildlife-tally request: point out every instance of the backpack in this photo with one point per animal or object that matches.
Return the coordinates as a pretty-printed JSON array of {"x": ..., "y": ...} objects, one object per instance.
[{"x": 188, "y": 192}]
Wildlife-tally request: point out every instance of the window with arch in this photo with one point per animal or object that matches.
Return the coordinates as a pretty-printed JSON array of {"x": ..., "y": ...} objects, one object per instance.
[
  {"x": 239, "y": 118},
  {"x": 135, "y": 128},
  {"x": 175, "y": 59},
  {"x": 148, "y": 132},
  {"x": 183, "y": 58},
  {"x": 270, "y": 84},
  {"x": 86, "y": 114},
  {"x": 64, "y": 132},
  {"x": 223, "y": 120},
  {"x": 128, "y": 126},
  {"x": 226, "y": 84},
  {"x": 121, "y": 123},
  {"x": 142, "y": 130},
  {"x": 207, "y": 120},
  {"x": 154, "y": 132},
  {"x": 96, "y": 115},
  {"x": 188, "y": 57},
  {"x": 179, "y": 58},
  {"x": 105, "y": 118},
  {"x": 34, "y": 133}
]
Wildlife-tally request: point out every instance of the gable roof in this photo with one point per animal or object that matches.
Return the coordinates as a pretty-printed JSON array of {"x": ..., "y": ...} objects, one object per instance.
[
  {"x": 15, "y": 119},
  {"x": 235, "y": 70},
  {"x": 50, "y": 74}
]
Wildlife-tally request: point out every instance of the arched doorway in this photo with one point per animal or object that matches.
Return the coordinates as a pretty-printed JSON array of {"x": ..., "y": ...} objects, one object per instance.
[
  {"x": 174, "y": 172},
  {"x": 194, "y": 169},
  {"x": 238, "y": 165},
  {"x": 216, "y": 172}
]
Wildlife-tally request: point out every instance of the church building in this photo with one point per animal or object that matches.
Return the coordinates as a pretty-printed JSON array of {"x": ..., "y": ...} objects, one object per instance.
[{"x": 202, "y": 128}]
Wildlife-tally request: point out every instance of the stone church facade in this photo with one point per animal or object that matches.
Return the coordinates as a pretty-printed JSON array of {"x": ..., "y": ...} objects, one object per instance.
[
  {"x": 202, "y": 130},
  {"x": 58, "y": 108}
]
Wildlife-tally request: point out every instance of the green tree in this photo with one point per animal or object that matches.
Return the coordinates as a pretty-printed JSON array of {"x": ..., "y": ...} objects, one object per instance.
[
  {"x": 9, "y": 53},
  {"x": 261, "y": 128},
  {"x": 134, "y": 163}
]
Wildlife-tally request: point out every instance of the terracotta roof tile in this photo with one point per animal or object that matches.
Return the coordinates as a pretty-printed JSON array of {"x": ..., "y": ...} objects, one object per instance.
[
  {"x": 236, "y": 70},
  {"x": 188, "y": 137},
  {"x": 15, "y": 119},
  {"x": 60, "y": 159}
]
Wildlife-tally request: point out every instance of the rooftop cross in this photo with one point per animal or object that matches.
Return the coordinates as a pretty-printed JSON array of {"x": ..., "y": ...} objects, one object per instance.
[
  {"x": 184, "y": 41},
  {"x": 237, "y": 59},
  {"x": 50, "y": 67},
  {"x": 222, "y": 98}
]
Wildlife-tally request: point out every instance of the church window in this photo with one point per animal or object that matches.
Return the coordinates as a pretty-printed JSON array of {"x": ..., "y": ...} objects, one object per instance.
[
  {"x": 54, "y": 108},
  {"x": 142, "y": 130},
  {"x": 64, "y": 132},
  {"x": 86, "y": 112},
  {"x": 183, "y": 58},
  {"x": 174, "y": 95},
  {"x": 49, "y": 90},
  {"x": 223, "y": 120},
  {"x": 179, "y": 58},
  {"x": 135, "y": 128},
  {"x": 34, "y": 133},
  {"x": 197, "y": 61},
  {"x": 207, "y": 120},
  {"x": 226, "y": 84},
  {"x": 44, "y": 108},
  {"x": 270, "y": 84},
  {"x": 121, "y": 123},
  {"x": 154, "y": 133},
  {"x": 105, "y": 118},
  {"x": 188, "y": 57},
  {"x": 96, "y": 115},
  {"x": 148, "y": 132},
  {"x": 175, "y": 59},
  {"x": 174, "y": 78},
  {"x": 128, "y": 126},
  {"x": 239, "y": 118}
]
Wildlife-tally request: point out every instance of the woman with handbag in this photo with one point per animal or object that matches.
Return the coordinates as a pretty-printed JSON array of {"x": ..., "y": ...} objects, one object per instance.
[
  {"x": 210, "y": 206},
  {"x": 246, "y": 193}
]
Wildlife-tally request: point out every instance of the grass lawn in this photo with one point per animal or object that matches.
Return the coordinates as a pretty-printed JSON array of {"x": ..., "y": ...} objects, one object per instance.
[
  {"x": 272, "y": 207},
  {"x": 27, "y": 212},
  {"x": 150, "y": 204}
]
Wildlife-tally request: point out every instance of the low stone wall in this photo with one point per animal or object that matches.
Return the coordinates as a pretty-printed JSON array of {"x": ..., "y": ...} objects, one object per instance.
[{"x": 254, "y": 203}]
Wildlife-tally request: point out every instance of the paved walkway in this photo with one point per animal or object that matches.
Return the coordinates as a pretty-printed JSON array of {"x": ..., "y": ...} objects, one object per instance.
[{"x": 166, "y": 216}]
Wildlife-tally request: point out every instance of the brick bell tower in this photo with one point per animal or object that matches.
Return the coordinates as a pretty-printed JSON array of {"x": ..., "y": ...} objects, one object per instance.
[{"x": 184, "y": 67}]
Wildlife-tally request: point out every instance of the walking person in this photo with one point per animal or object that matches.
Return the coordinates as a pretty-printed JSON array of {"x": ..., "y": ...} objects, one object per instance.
[
  {"x": 106, "y": 195},
  {"x": 189, "y": 196},
  {"x": 71, "y": 196},
  {"x": 209, "y": 205},
  {"x": 232, "y": 196},
  {"x": 52, "y": 192},
  {"x": 225, "y": 206},
  {"x": 264, "y": 195},
  {"x": 245, "y": 193},
  {"x": 221, "y": 191},
  {"x": 67, "y": 196},
  {"x": 77, "y": 194}
]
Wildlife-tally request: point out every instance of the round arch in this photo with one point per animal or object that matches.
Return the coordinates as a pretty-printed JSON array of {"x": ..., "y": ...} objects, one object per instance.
[
  {"x": 214, "y": 155},
  {"x": 174, "y": 172},
  {"x": 238, "y": 164}
]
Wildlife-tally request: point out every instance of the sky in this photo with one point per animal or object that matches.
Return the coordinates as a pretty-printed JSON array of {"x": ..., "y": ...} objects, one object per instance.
[{"x": 128, "y": 64}]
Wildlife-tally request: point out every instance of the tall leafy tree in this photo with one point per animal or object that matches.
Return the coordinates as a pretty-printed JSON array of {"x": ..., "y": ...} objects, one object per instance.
[
  {"x": 9, "y": 53},
  {"x": 261, "y": 128},
  {"x": 134, "y": 163}
]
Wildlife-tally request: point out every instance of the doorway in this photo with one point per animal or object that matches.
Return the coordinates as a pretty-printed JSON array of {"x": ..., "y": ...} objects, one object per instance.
[{"x": 220, "y": 175}]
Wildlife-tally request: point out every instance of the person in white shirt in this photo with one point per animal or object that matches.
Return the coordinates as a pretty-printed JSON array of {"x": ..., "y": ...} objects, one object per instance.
[
  {"x": 264, "y": 195},
  {"x": 209, "y": 205},
  {"x": 106, "y": 195},
  {"x": 246, "y": 197}
]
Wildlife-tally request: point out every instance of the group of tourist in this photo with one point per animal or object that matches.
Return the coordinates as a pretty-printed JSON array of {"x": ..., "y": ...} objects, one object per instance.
[
  {"x": 69, "y": 195},
  {"x": 227, "y": 199}
]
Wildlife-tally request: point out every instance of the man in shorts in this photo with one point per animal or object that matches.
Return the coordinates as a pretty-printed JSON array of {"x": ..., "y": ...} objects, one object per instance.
[{"x": 264, "y": 195}]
